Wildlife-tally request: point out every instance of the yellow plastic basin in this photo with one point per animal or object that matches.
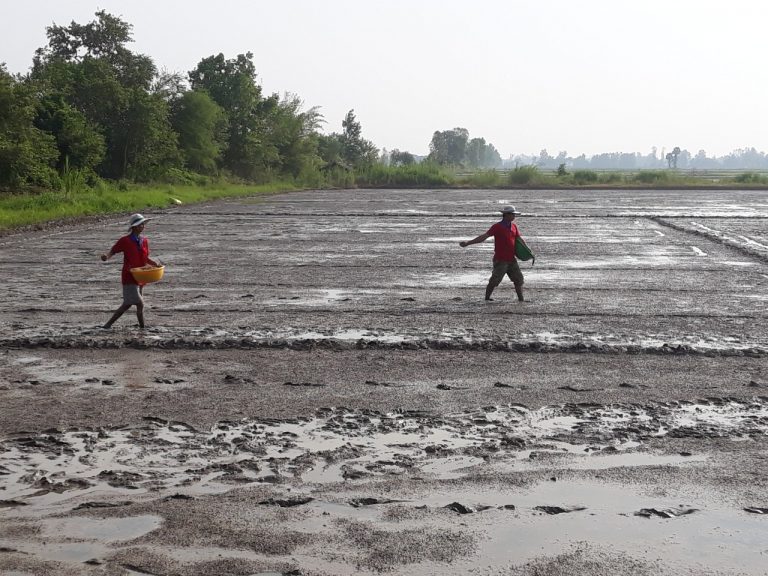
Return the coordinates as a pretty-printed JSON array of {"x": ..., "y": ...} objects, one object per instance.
[{"x": 147, "y": 274}]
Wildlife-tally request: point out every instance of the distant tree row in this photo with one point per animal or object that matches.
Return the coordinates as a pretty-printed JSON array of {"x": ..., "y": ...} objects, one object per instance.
[
  {"x": 677, "y": 158},
  {"x": 454, "y": 147},
  {"x": 91, "y": 104}
]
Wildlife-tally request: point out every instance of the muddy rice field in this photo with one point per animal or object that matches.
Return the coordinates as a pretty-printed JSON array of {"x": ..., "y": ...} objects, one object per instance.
[{"x": 322, "y": 390}]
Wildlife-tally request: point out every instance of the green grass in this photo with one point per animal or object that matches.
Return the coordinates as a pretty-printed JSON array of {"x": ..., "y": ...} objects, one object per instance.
[
  {"x": 751, "y": 178},
  {"x": 483, "y": 179},
  {"x": 424, "y": 175},
  {"x": 77, "y": 199},
  {"x": 18, "y": 210}
]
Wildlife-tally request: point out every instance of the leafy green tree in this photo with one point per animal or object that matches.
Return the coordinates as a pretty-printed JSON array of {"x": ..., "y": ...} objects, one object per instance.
[
  {"x": 27, "y": 154},
  {"x": 356, "y": 150},
  {"x": 481, "y": 154},
  {"x": 293, "y": 133},
  {"x": 398, "y": 158},
  {"x": 675, "y": 153},
  {"x": 330, "y": 147},
  {"x": 80, "y": 144},
  {"x": 449, "y": 147},
  {"x": 146, "y": 139},
  {"x": 232, "y": 85},
  {"x": 199, "y": 121},
  {"x": 91, "y": 69}
]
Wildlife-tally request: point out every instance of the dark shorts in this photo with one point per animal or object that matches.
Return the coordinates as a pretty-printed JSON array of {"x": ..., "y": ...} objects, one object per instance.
[
  {"x": 132, "y": 294},
  {"x": 511, "y": 269}
]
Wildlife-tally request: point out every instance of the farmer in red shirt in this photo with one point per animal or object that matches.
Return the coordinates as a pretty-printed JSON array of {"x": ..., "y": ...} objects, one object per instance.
[
  {"x": 505, "y": 236},
  {"x": 135, "y": 249}
]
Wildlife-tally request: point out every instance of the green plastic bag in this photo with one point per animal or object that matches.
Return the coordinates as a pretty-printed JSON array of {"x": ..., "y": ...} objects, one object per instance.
[{"x": 522, "y": 252}]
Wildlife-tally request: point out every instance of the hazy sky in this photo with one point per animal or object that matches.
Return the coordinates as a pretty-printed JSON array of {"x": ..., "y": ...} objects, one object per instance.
[{"x": 584, "y": 76}]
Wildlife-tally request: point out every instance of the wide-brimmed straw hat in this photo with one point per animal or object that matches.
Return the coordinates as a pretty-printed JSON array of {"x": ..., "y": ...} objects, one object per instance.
[
  {"x": 136, "y": 220},
  {"x": 509, "y": 210}
]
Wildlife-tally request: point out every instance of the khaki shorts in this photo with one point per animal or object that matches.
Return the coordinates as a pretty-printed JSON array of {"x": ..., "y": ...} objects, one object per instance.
[
  {"x": 132, "y": 294},
  {"x": 511, "y": 269}
]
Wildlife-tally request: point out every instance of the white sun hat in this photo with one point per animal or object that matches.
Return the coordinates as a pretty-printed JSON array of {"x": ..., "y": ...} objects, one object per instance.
[
  {"x": 509, "y": 210},
  {"x": 136, "y": 220}
]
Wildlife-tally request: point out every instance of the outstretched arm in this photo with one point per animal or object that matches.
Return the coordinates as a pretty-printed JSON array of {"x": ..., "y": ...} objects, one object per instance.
[{"x": 478, "y": 240}]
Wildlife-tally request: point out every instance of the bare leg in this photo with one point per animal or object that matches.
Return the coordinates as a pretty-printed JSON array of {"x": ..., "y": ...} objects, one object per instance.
[
  {"x": 140, "y": 309},
  {"x": 499, "y": 269},
  {"x": 519, "y": 290},
  {"x": 119, "y": 312}
]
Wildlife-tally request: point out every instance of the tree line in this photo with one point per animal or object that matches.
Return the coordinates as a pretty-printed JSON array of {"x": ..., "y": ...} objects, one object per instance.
[
  {"x": 91, "y": 106},
  {"x": 676, "y": 158}
]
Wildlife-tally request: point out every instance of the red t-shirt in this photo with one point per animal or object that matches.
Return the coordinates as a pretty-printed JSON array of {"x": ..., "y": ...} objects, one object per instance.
[
  {"x": 503, "y": 241},
  {"x": 133, "y": 256}
]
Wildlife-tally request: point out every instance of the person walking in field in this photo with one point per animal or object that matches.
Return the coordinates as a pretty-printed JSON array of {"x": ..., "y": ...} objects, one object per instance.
[
  {"x": 135, "y": 250},
  {"x": 508, "y": 247}
]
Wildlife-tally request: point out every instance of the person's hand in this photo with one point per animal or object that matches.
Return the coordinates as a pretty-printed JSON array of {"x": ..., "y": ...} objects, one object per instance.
[
  {"x": 104, "y": 257},
  {"x": 463, "y": 244}
]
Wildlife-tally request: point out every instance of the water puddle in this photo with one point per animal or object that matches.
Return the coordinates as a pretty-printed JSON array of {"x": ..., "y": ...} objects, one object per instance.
[
  {"x": 714, "y": 537},
  {"x": 86, "y": 538},
  {"x": 113, "y": 375},
  {"x": 104, "y": 530}
]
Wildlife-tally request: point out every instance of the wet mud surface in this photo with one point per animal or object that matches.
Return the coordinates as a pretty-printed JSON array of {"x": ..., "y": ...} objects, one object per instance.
[{"x": 322, "y": 390}]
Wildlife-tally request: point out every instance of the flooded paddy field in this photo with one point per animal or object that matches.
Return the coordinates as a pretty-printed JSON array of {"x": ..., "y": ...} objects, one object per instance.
[{"x": 321, "y": 389}]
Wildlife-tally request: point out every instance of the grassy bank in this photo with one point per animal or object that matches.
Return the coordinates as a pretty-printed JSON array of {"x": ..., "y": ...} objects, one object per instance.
[
  {"x": 18, "y": 210},
  {"x": 76, "y": 200},
  {"x": 533, "y": 177}
]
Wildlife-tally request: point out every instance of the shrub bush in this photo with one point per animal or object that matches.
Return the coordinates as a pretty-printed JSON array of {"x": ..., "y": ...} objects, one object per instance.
[
  {"x": 483, "y": 179},
  {"x": 585, "y": 177},
  {"x": 525, "y": 175},
  {"x": 751, "y": 178},
  {"x": 652, "y": 177}
]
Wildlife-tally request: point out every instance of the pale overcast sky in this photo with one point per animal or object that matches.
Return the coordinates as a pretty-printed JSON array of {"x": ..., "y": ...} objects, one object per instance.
[{"x": 584, "y": 76}]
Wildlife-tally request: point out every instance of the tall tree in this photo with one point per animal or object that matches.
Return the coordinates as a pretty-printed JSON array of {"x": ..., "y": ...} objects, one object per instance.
[
  {"x": 27, "y": 154},
  {"x": 356, "y": 150},
  {"x": 449, "y": 146},
  {"x": 401, "y": 158},
  {"x": 199, "y": 121},
  {"x": 79, "y": 142},
  {"x": 231, "y": 83},
  {"x": 481, "y": 154},
  {"x": 291, "y": 130},
  {"x": 94, "y": 72}
]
